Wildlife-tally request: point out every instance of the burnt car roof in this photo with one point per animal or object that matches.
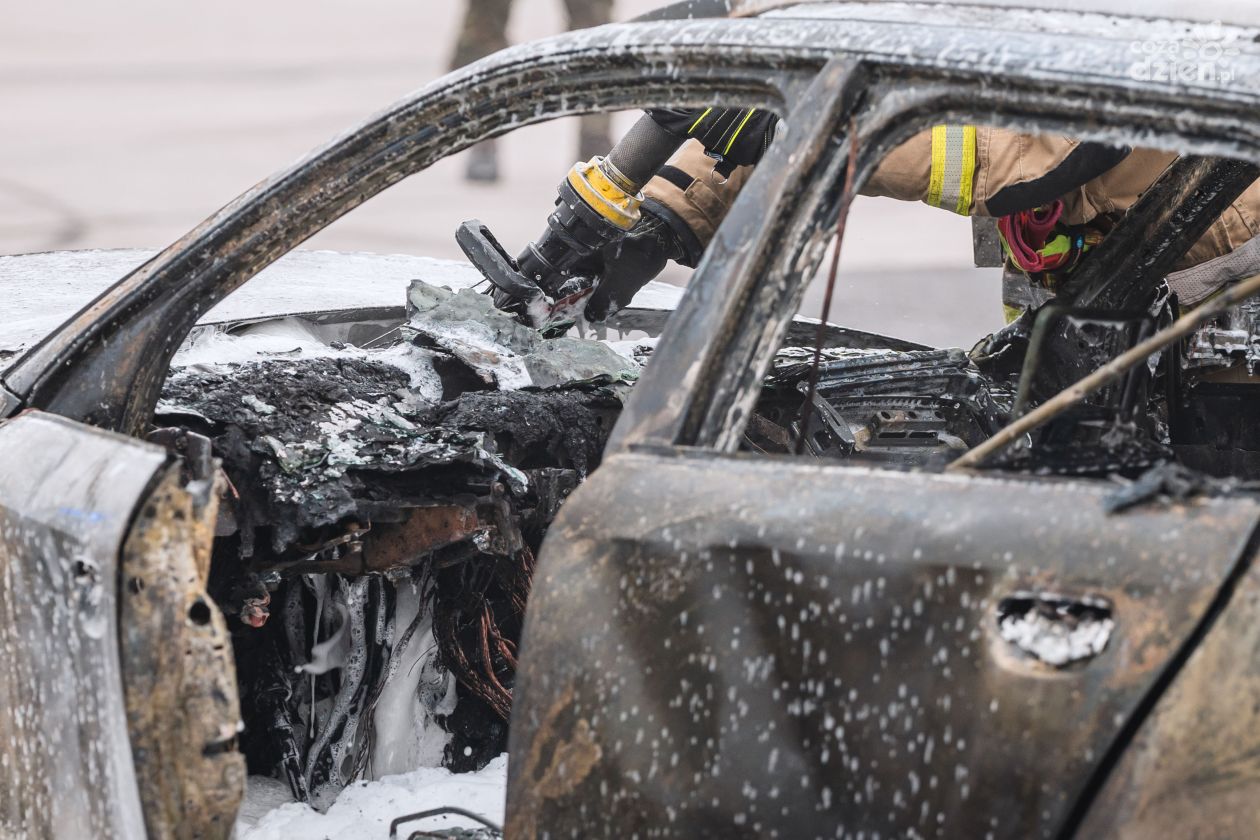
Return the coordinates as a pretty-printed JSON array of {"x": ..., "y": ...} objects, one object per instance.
[
  {"x": 1240, "y": 12},
  {"x": 1225, "y": 11}
]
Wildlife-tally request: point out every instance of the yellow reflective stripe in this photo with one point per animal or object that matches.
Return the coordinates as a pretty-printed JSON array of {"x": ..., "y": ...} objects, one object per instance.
[
  {"x": 953, "y": 167},
  {"x": 735, "y": 136},
  {"x": 936, "y": 184},
  {"x": 700, "y": 119}
]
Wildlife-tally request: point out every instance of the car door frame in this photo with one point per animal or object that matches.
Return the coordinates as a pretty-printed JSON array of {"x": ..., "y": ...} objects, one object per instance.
[
  {"x": 750, "y": 281},
  {"x": 584, "y": 668}
]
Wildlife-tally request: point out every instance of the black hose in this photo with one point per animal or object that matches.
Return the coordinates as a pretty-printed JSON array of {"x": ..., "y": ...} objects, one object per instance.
[{"x": 641, "y": 153}]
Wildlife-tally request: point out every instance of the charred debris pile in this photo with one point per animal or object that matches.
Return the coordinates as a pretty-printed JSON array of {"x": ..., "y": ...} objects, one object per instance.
[{"x": 375, "y": 549}]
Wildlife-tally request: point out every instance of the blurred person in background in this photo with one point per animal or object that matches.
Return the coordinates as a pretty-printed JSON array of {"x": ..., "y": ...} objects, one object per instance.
[{"x": 485, "y": 32}]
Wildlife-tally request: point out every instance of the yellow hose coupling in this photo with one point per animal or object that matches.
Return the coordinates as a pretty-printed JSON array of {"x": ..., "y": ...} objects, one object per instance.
[{"x": 603, "y": 195}]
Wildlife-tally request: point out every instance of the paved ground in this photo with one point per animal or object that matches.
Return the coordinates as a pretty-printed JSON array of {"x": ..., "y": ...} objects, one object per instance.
[{"x": 126, "y": 123}]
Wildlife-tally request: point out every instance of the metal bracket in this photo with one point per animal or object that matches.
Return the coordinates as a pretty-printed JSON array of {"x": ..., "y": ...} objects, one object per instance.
[{"x": 986, "y": 244}]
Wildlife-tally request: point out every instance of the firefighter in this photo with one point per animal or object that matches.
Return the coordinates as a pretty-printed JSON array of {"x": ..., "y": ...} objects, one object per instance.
[
  {"x": 485, "y": 31},
  {"x": 1054, "y": 198}
]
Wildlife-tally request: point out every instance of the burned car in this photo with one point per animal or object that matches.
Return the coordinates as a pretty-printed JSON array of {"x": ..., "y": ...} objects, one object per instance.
[{"x": 763, "y": 597}]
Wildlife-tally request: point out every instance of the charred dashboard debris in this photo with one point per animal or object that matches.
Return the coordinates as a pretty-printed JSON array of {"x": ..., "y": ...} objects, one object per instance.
[
  {"x": 375, "y": 548},
  {"x": 885, "y": 406}
]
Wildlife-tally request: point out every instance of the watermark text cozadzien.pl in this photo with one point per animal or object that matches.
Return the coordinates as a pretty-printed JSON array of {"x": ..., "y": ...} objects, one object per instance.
[{"x": 1205, "y": 55}]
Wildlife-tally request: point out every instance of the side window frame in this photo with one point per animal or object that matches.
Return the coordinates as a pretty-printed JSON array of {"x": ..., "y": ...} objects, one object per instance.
[{"x": 755, "y": 272}]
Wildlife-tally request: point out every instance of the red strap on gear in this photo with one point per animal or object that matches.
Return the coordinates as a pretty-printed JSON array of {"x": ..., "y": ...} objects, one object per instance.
[{"x": 1027, "y": 232}]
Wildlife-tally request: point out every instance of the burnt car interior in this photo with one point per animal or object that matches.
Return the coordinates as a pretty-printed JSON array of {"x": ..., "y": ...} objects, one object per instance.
[
  {"x": 355, "y": 583},
  {"x": 382, "y": 500}
]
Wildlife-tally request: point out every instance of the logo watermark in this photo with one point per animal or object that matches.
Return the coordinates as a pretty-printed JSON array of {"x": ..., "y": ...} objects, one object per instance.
[{"x": 1206, "y": 56}]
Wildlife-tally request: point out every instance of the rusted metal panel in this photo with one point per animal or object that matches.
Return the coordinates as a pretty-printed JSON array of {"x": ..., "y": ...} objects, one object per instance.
[
  {"x": 735, "y": 647},
  {"x": 179, "y": 679},
  {"x": 66, "y": 499},
  {"x": 1193, "y": 769},
  {"x": 427, "y": 529}
]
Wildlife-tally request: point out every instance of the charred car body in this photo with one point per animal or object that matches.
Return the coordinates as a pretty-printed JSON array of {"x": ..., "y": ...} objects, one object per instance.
[{"x": 718, "y": 643}]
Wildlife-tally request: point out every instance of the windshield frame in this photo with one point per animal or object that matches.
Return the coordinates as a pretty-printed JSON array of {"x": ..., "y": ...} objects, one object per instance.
[{"x": 106, "y": 365}]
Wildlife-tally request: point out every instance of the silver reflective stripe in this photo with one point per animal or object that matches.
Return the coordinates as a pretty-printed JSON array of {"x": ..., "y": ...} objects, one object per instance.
[
  {"x": 1194, "y": 285},
  {"x": 953, "y": 168},
  {"x": 955, "y": 157}
]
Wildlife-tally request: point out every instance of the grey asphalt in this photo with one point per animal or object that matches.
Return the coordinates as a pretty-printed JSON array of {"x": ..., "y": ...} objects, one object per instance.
[{"x": 126, "y": 123}]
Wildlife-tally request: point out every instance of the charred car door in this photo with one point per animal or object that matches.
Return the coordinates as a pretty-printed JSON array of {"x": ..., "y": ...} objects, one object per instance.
[
  {"x": 118, "y": 692},
  {"x": 719, "y": 645}
]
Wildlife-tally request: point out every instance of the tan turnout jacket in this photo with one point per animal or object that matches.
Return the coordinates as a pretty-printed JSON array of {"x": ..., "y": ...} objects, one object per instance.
[{"x": 962, "y": 168}]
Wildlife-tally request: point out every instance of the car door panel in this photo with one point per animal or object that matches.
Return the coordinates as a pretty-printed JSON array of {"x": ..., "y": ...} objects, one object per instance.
[
  {"x": 67, "y": 496},
  {"x": 723, "y": 646}
]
